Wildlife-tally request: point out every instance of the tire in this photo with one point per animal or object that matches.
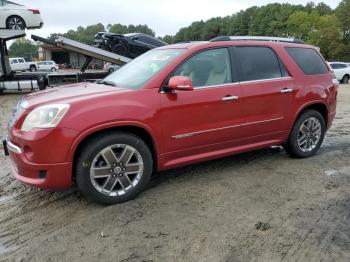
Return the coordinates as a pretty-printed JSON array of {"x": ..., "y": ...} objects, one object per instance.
[
  {"x": 102, "y": 156},
  {"x": 307, "y": 135},
  {"x": 32, "y": 68},
  {"x": 53, "y": 69},
  {"x": 120, "y": 49},
  {"x": 111, "y": 70},
  {"x": 345, "y": 79},
  {"x": 15, "y": 23}
]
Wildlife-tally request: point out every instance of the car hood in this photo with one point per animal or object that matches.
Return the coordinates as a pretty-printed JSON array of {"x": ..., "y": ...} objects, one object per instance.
[{"x": 71, "y": 94}]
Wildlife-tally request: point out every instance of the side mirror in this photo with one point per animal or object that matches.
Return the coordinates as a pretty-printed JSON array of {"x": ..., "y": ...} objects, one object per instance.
[{"x": 181, "y": 83}]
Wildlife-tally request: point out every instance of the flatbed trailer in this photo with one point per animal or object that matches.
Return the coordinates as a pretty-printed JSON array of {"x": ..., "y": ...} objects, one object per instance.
[{"x": 10, "y": 80}]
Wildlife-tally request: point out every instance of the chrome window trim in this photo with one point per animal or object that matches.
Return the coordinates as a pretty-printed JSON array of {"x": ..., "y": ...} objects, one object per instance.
[
  {"x": 215, "y": 86},
  {"x": 12, "y": 147},
  {"x": 266, "y": 79},
  {"x": 222, "y": 128}
]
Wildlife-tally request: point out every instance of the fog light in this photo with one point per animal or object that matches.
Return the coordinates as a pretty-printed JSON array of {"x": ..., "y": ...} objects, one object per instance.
[{"x": 42, "y": 174}]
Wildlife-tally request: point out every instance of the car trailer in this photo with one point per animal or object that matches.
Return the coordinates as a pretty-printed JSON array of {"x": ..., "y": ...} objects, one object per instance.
[
  {"x": 89, "y": 52},
  {"x": 31, "y": 81},
  {"x": 8, "y": 79}
]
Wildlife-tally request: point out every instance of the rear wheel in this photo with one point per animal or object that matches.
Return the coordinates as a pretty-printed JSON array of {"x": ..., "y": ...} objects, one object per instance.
[
  {"x": 307, "y": 134},
  {"x": 32, "y": 68},
  {"x": 345, "y": 79},
  {"x": 114, "y": 168},
  {"x": 120, "y": 49},
  {"x": 111, "y": 70},
  {"x": 53, "y": 69},
  {"x": 15, "y": 23}
]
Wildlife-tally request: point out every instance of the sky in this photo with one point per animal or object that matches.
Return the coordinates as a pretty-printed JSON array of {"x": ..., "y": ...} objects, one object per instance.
[{"x": 163, "y": 16}]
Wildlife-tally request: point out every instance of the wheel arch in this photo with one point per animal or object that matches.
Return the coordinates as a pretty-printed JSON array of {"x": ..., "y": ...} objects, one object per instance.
[
  {"x": 319, "y": 106},
  {"x": 138, "y": 130}
]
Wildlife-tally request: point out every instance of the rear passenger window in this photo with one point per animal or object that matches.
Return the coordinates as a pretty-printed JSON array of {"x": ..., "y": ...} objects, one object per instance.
[
  {"x": 259, "y": 63},
  {"x": 308, "y": 59}
]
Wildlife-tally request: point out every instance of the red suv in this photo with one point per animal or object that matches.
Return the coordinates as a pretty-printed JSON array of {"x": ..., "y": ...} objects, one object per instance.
[{"x": 173, "y": 106}]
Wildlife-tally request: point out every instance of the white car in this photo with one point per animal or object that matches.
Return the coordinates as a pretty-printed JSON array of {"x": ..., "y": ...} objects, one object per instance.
[
  {"x": 341, "y": 71},
  {"x": 19, "y": 17},
  {"x": 47, "y": 66},
  {"x": 20, "y": 64},
  {"x": 111, "y": 67}
]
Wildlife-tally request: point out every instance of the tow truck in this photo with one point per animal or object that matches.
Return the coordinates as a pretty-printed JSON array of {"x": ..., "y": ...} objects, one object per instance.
[{"x": 30, "y": 81}]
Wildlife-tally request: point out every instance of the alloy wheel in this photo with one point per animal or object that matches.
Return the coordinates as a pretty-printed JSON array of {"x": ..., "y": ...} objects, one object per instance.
[
  {"x": 116, "y": 170},
  {"x": 16, "y": 23},
  {"x": 309, "y": 134}
]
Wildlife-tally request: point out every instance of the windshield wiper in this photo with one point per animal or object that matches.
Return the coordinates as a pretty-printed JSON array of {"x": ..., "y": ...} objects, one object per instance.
[{"x": 109, "y": 83}]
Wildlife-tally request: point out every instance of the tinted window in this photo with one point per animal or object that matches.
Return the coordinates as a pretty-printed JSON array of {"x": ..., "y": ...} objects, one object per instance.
[
  {"x": 258, "y": 63},
  {"x": 309, "y": 61},
  {"x": 21, "y": 61},
  {"x": 14, "y": 61},
  {"x": 208, "y": 68}
]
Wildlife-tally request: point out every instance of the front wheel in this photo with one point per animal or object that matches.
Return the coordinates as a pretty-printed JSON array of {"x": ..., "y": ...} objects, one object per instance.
[
  {"x": 307, "y": 135},
  {"x": 114, "y": 167},
  {"x": 345, "y": 79},
  {"x": 32, "y": 68}
]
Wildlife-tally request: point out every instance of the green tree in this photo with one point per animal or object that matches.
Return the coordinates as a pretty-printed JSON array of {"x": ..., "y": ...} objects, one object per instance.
[
  {"x": 301, "y": 23},
  {"x": 24, "y": 48},
  {"x": 343, "y": 14}
]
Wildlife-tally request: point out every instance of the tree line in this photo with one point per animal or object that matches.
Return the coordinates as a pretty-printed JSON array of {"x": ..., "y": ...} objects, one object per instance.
[{"x": 319, "y": 25}]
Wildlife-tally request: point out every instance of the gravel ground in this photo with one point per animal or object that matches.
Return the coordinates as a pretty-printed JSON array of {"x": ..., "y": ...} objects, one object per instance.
[{"x": 259, "y": 206}]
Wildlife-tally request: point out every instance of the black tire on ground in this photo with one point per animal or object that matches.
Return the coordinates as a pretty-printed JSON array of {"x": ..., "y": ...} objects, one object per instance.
[
  {"x": 53, "y": 69},
  {"x": 120, "y": 49},
  {"x": 32, "y": 68},
  {"x": 96, "y": 145},
  {"x": 345, "y": 79},
  {"x": 111, "y": 70},
  {"x": 15, "y": 22},
  {"x": 292, "y": 147}
]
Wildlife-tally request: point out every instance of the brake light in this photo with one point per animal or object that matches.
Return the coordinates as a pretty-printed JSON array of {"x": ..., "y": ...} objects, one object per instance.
[{"x": 34, "y": 11}]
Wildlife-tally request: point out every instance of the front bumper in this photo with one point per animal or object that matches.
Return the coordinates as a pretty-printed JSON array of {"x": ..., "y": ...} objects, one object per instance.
[{"x": 45, "y": 176}]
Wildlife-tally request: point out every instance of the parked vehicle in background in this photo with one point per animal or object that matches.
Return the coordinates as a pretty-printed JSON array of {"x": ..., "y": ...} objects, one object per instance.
[
  {"x": 129, "y": 45},
  {"x": 341, "y": 71},
  {"x": 173, "y": 106},
  {"x": 18, "y": 17},
  {"x": 111, "y": 67},
  {"x": 20, "y": 64},
  {"x": 47, "y": 66}
]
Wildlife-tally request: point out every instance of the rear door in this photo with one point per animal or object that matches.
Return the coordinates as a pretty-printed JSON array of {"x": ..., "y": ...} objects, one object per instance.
[
  {"x": 267, "y": 92},
  {"x": 205, "y": 119}
]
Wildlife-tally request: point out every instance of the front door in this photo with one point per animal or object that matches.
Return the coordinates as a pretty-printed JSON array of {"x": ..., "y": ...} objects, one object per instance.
[{"x": 202, "y": 120}]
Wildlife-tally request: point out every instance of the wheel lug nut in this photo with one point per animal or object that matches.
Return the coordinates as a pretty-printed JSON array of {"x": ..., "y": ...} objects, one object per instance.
[
  {"x": 123, "y": 168},
  {"x": 120, "y": 175},
  {"x": 121, "y": 163}
]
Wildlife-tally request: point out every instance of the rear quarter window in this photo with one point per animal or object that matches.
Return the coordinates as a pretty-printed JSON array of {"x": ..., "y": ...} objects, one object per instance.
[{"x": 308, "y": 59}]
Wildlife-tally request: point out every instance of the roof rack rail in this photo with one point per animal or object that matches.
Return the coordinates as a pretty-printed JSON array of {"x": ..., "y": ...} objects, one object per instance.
[{"x": 258, "y": 38}]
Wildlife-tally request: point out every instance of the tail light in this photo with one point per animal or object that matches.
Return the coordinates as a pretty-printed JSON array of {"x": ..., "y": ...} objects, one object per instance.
[{"x": 34, "y": 11}]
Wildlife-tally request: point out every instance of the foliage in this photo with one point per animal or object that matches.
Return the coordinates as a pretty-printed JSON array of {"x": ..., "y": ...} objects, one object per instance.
[
  {"x": 23, "y": 48},
  {"x": 316, "y": 24}
]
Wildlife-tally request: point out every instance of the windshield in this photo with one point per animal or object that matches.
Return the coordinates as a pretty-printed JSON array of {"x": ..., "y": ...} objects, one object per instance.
[{"x": 137, "y": 72}]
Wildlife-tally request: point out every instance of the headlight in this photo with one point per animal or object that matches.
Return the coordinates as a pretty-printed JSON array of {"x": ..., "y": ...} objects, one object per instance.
[{"x": 45, "y": 117}]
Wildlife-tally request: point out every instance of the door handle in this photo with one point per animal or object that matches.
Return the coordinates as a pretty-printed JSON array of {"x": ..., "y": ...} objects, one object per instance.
[
  {"x": 229, "y": 98},
  {"x": 286, "y": 90}
]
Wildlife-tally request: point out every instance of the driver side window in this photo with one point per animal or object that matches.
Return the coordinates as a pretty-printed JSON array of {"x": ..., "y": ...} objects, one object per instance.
[{"x": 208, "y": 68}]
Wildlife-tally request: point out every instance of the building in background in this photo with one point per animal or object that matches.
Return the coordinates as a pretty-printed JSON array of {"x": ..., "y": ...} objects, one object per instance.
[{"x": 63, "y": 57}]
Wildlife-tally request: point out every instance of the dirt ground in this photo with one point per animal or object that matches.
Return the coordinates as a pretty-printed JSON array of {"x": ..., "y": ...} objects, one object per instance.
[{"x": 259, "y": 206}]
